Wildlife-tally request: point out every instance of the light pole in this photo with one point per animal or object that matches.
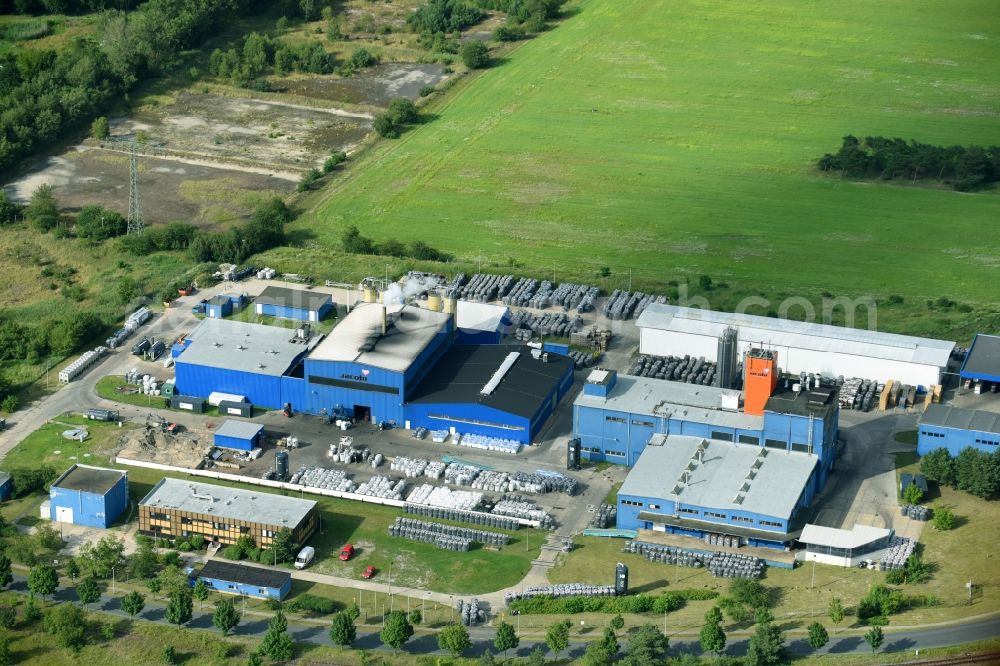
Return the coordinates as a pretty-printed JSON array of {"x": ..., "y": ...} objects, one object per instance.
[{"x": 390, "y": 584}]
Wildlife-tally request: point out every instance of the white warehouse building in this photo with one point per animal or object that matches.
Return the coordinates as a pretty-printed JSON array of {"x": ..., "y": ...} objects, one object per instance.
[{"x": 670, "y": 330}]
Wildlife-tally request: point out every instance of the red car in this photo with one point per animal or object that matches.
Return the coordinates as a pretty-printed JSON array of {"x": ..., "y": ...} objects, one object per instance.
[
  {"x": 347, "y": 552},
  {"x": 368, "y": 572}
]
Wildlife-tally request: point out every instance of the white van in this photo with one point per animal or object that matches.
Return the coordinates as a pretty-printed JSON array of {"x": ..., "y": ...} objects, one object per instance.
[{"x": 305, "y": 557}]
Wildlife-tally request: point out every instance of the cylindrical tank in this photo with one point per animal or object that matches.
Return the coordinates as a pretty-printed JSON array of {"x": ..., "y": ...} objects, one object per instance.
[
  {"x": 434, "y": 301},
  {"x": 370, "y": 295},
  {"x": 450, "y": 305},
  {"x": 281, "y": 465}
]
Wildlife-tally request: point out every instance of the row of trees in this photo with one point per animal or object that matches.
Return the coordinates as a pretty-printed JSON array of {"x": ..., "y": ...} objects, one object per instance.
[
  {"x": 877, "y": 157},
  {"x": 47, "y": 94},
  {"x": 974, "y": 471},
  {"x": 355, "y": 243},
  {"x": 261, "y": 55}
]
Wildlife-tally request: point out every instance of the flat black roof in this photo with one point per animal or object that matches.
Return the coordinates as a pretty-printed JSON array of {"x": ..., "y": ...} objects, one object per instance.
[
  {"x": 462, "y": 373},
  {"x": 293, "y": 298},
  {"x": 89, "y": 479},
  {"x": 983, "y": 360},
  {"x": 241, "y": 573},
  {"x": 817, "y": 402}
]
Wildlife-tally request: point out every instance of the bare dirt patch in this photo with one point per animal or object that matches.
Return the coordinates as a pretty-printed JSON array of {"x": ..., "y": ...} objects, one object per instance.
[{"x": 376, "y": 86}]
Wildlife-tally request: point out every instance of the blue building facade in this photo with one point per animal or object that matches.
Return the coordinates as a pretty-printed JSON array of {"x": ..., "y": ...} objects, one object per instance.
[
  {"x": 615, "y": 417},
  {"x": 6, "y": 486},
  {"x": 240, "y": 435},
  {"x": 241, "y": 580},
  {"x": 695, "y": 487},
  {"x": 955, "y": 429},
  {"x": 90, "y": 496}
]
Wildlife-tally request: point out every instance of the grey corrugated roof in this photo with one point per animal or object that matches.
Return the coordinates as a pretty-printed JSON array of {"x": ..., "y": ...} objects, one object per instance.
[
  {"x": 662, "y": 397},
  {"x": 236, "y": 345},
  {"x": 293, "y": 298},
  {"x": 88, "y": 479},
  {"x": 226, "y": 502},
  {"x": 239, "y": 429},
  {"x": 770, "y": 331},
  {"x": 409, "y": 332},
  {"x": 983, "y": 361},
  {"x": 717, "y": 480},
  {"x": 946, "y": 416}
]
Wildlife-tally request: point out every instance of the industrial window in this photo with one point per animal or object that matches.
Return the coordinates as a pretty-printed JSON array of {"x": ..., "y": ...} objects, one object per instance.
[
  {"x": 614, "y": 419},
  {"x": 654, "y": 506},
  {"x": 775, "y": 444},
  {"x": 742, "y": 519},
  {"x": 770, "y": 523},
  {"x": 691, "y": 511},
  {"x": 749, "y": 439},
  {"x": 353, "y": 386},
  {"x": 268, "y": 533},
  {"x": 620, "y": 454},
  {"x": 590, "y": 449},
  {"x": 639, "y": 422},
  {"x": 158, "y": 516},
  {"x": 262, "y": 590},
  {"x": 712, "y": 514},
  {"x": 986, "y": 441},
  {"x": 724, "y": 436},
  {"x": 799, "y": 446},
  {"x": 631, "y": 503},
  {"x": 219, "y": 526},
  {"x": 488, "y": 424}
]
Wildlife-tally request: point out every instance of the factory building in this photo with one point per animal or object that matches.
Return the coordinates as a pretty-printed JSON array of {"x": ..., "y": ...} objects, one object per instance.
[
  {"x": 481, "y": 323},
  {"x": 249, "y": 360},
  {"x": 844, "y": 548},
  {"x": 240, "y": 435},
  {"x": 492, "y": 390},
  {"x": 616, "y": 415},
  {"x": 243, "y": 580},
  {"x": 943, "y": 426},
  {"x": 293, "y": 304},
  {"x": 384, "y": 363},
  {"x": 698, "y": 487},
  {"x": 176, "y": 508},
  {"x": 669, "y": 330},
  {"x": 982, "y": 363},
  {"x": 91, "y": 496}
]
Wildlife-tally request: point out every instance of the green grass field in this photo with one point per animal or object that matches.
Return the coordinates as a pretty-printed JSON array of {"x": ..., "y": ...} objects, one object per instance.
[{"x": 679, "y": 139}]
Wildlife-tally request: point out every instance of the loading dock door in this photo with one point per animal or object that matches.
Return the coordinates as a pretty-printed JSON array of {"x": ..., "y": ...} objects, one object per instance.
[
  {"x": 64, "y": 514},
  {"x": 362, "y": 413}
]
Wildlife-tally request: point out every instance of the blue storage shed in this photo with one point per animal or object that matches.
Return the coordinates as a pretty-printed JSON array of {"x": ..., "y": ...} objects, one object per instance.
[
  {"x": 91, "y": 496},
  {"x": 240, "y": 579},
  {"x": 943, "y": 426},
  {"x": 242, "y": 435},
  {"x": 218, "y": 307},
  {"x": 6, "y": 486},
  {"x": 293, "y": 304}
]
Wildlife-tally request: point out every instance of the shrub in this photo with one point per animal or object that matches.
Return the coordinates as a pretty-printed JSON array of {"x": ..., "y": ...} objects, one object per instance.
[
  {"x": 334, "y": 160},
  {"x": 912, "y": 494},
  {"x": 197, "y": 541},
  {"x": 639, "y": 603},
  {"x": 384, "y": 126},
  {"x": 475, "y": 55},
  {"x": 233, "y": 552},
  {"x": 362, "y": 58},
  {"x": 509, "y": 33},
  {"x": 309, "y": 179},
  {"x": 944, "y": 519},
  {"x": 308, "y": 603},
  {"x": 100, "y": 129},
  {"x": 402, "y": 111},
  {"x": 427, "y": 90}
]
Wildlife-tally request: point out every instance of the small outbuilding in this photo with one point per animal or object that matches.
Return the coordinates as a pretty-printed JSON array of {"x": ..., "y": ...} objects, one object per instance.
[
  {"x": 240, "y": 579},
  {"x": 91, "y": 496},
  {"x": 293, "y": 304},
  {"x": 242, "y": 435}
]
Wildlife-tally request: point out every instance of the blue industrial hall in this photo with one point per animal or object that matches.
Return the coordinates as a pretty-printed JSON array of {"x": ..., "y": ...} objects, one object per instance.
[
  {"x": 296, "y": 304},
  {"x": 952, "y": 428},
  {"x": 982, "y": 362},
  {"x": 90, "y": 496},
  {"x": 500, "y": 391},
  {"x": 700, "y": 487},
  {"x": 241, "y": 580}
]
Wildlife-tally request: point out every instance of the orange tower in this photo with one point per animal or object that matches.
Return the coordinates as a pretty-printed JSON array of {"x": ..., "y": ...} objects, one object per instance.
[{"x": 760, "y": 379}]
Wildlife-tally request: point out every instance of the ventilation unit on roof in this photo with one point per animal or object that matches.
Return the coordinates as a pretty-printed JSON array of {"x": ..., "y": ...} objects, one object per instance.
[
  {"x": 739, "y": 498},
  {"x": 241, "y": 347}
]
